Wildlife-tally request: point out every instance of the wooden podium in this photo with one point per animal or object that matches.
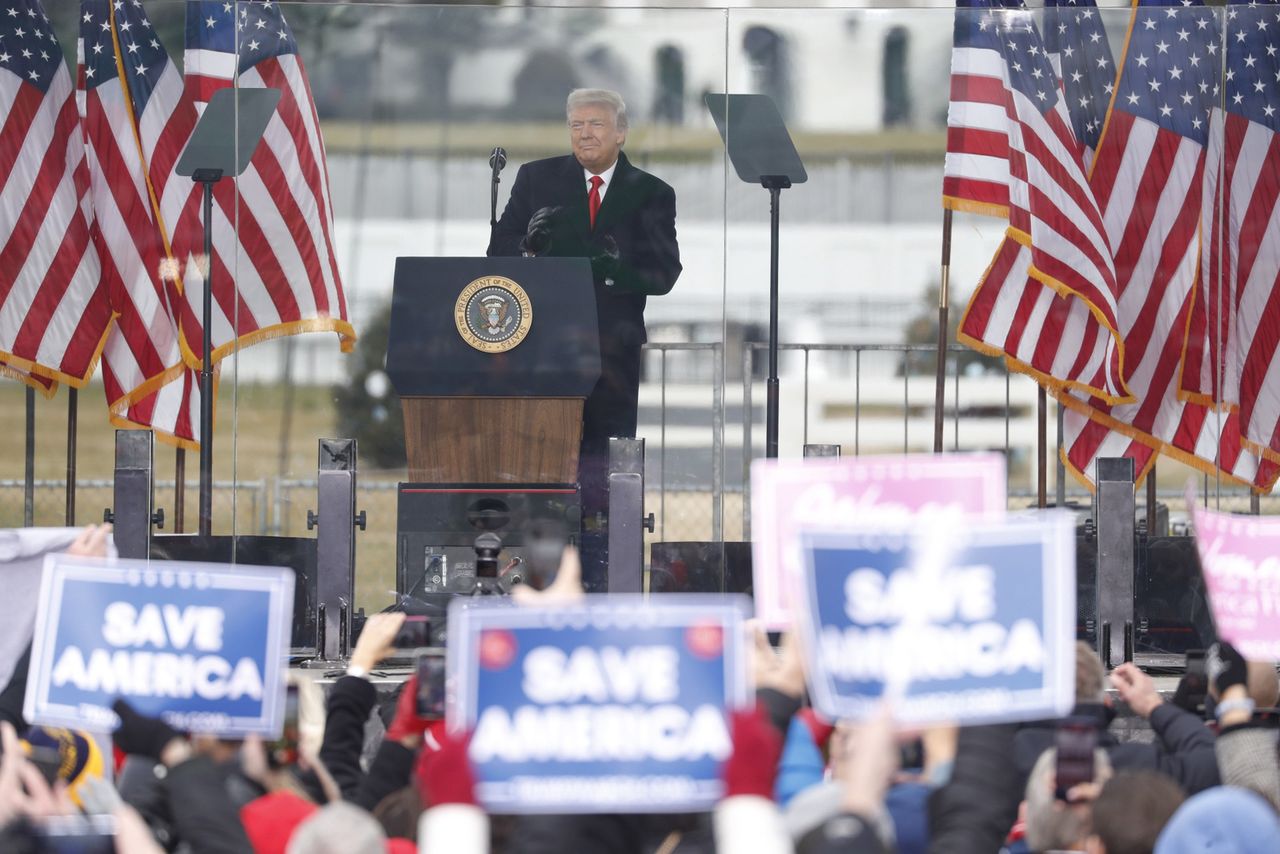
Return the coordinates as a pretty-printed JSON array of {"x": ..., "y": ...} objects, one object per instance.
[{"x": 476, "y": 413}]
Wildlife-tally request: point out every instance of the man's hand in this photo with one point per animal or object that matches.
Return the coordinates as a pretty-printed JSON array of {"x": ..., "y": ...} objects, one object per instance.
[
  {"x": 537, "y": 236},
  {"x": 868, "y": 764},
  {"x": 565, "y": 588},
  {"x": 783, "y": 671},
  {"x": 23, "y": 790},
  {"x": 377, "y": 640},
  {"x": 91, "y": 542},
  {"x": 1136, "y": 688},
  {"x": 605, "y": 259}
]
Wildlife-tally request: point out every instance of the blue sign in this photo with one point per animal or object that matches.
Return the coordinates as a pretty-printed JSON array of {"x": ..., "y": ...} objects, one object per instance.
[
  {"x": 614, "y": 705},
  {"x": 205, "y": 646},
  {"x": 973, "y": 623}
]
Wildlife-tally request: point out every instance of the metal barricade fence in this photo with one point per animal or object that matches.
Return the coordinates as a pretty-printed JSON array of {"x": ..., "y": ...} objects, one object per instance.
[
  {"x": 868, "y": 398},
  {"x": 242, "y": 505}
]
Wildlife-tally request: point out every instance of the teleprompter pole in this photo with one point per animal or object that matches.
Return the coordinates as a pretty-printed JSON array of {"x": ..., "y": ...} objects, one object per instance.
[
  {"x": 775, "y": 184},
  {"x": 207, "y": 177}
]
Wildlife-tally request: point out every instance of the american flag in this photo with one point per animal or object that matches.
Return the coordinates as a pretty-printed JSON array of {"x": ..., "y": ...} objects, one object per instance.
[
  {"x": 53, "y": 311},
  {"x": 47, "y": 387},
  {"x": 1052, "y": 278},
  {"x": 1147, "y": 177},
  {"x": 135, "y": 123},
  {"x": 281, "y": 275},
  {"x": 976, "y": 169},
  {"x": 1234, "y": 334},
  {"x": 1080, "y": 51}
]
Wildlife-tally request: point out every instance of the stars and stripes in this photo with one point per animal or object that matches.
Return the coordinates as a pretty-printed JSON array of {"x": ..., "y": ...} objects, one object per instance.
[
  {"x": 275, "y": 271},
  {"x": 976, "y": 170},
  {"x": 1148, "y": 180},
  {"x": 1080, "y": 51},
  {"x": 1052, "y": 278},
  {"x": 1234, "y": 333},
  {"x": 53, "y": 311},
  {"x": 136, "y": 122},
  {"x": 98, "y": 227},
  {"x": 1050, "y": 203}
]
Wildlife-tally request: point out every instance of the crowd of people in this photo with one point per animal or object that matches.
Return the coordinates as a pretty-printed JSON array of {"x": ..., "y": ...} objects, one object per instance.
[{"x": 365, "y": 772}]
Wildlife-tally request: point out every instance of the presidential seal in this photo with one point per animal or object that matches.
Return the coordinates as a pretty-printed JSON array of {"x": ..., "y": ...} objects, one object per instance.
[{"x": 493, "y": 314}]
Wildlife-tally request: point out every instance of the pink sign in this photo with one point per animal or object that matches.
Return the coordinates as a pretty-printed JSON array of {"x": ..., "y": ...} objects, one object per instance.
[
  {"x": 827, "y": 494},
  {"x": 1240, "y": 559}
]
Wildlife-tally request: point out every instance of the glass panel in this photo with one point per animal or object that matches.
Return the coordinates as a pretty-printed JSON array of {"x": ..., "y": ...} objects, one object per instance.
[{"x": 411, "y": 101}]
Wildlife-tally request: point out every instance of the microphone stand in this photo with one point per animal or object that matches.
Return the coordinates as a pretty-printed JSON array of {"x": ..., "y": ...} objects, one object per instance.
[{"x": 497, "y": 165}]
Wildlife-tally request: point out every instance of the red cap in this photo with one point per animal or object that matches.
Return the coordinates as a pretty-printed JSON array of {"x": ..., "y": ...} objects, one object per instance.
[{"x": 271, "y": 819}]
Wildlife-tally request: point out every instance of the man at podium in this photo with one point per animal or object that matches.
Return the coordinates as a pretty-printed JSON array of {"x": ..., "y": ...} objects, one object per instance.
[{"x": 594, "y": 204}]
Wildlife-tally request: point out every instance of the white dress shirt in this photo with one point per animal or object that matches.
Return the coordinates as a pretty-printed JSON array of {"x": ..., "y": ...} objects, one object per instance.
[{"x": 606, "y": 176}]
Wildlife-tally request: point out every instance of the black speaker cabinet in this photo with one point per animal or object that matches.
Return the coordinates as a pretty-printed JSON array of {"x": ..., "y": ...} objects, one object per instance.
[
  {"x": 297, "y": 553},
  {"x": 437, "y": 525}
]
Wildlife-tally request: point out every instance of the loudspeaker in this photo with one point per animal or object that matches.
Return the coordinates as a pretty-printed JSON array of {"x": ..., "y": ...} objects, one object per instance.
[{"x": 297, "y": 553}]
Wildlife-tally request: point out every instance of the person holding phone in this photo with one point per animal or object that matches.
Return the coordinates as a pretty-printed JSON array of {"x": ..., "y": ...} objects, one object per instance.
[
  {"x": 1059, "y": 800},
  {"x": 1183, "y": 748},
  {"x": 352, "y": 699}
]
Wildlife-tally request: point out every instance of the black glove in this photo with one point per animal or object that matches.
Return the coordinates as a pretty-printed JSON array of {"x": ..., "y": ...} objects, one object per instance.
[
  {"x": 1225, "y": 667},
  {"x": 139, "y": 735},
  {"x": 605, "y": 260},
  {"x": 537, "y": 236}
]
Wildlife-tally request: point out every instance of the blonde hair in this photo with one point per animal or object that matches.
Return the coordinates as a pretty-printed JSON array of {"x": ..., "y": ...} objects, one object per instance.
[
  {"x": 605, "y": 97},
  {"x": 338, "y": 828},
  {"x": 1050, "y": 826},
  {"x": 1090, "y": 677}
]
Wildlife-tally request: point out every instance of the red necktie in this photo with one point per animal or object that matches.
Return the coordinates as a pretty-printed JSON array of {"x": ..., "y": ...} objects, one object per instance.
[{"x": 593, "y": 198}]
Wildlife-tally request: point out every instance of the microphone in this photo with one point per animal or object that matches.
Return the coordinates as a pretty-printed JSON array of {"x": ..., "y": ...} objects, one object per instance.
[{"x": 497, "y": 159}]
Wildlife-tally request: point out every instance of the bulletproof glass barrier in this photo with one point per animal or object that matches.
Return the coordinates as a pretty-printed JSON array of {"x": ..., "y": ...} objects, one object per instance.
[{"x": 385, "y": 139}]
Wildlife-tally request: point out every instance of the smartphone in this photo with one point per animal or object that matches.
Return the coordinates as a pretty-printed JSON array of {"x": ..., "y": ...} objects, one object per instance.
[
  {"x": 1076, "y": 740},
  {"x": 47, "y": 759},
  {"x": 416, "y": 632},
  {"x": 78, "y": 834},
  {"x": 430, "y": 700},
  {"x": 1193, "y": 688},
  {"x": 284, "y": 750}
]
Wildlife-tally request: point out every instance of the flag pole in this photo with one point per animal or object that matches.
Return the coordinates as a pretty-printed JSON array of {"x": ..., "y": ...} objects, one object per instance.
[
  {"x": 1151, "y": 501},
  {"x": 940, "y": 377},
  {"x": 29, "y": 483},
  {"x": 179, "y": 488},
  {"x": 1042, "y": 448},
  {"x": 73, "y": 405}
]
